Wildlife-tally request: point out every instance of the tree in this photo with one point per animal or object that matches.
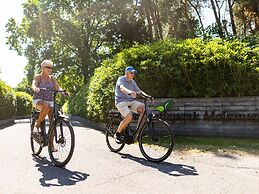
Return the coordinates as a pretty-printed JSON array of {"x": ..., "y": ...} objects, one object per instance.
[
  {"x": 177, "y": 19},
  {"x": 197, "y": 5},
  {"x": 216, "y": 10},
  {"x": 152, "y": 14},
  {"x": 231, "y": 14},
  {"x": 246, "y": 13},
  {"x": 75, "y": 34}
]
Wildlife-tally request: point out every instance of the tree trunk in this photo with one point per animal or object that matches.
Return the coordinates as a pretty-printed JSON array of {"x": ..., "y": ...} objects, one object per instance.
[
  {"x": 85, "y": 62},
  {"x": 232, "y": 17},
  {"x": 150, "y": 5},
  {"x": 256, "y": 7},
  {"x": 159, "y": 23},
  {"x": 199, "y": 17},
  {"x": 220, "y": 30},
  {"x": 148, "y": 17}
]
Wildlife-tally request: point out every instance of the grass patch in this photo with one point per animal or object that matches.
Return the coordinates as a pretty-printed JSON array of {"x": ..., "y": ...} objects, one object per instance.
[{"x": 250, "y": 146}]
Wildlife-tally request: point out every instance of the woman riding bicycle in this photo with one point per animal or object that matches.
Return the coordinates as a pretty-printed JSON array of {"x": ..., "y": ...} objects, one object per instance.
[{"x": 43, "y": 99}]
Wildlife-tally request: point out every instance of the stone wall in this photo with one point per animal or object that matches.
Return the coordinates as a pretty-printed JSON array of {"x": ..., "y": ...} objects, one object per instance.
[{"x": 228, "y": 116}]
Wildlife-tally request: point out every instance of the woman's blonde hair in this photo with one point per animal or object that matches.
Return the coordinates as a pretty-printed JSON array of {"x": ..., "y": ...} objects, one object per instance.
[{"x": 46, "y": 63}]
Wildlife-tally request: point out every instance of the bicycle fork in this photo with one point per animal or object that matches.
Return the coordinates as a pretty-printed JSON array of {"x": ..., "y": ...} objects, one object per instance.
[
  {"x": 59, "y": 137},
  {"x": 151, "y": 131}
]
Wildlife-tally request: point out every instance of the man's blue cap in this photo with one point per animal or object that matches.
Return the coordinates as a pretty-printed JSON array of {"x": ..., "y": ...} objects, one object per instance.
[{"x": 131, "y": 69}]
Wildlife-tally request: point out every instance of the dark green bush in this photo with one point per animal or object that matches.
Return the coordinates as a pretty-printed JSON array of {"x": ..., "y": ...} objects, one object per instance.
[
  {"x": 24, "y": 103},
  {"x": 7, "y": 102},
  {"x": 188, "y": 68}
]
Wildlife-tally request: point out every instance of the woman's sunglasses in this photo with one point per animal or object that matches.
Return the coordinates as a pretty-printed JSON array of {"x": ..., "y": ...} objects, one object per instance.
[{"x": 49, "y": 67}]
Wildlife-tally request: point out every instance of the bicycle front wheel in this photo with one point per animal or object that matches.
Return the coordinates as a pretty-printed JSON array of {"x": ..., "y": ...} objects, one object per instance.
[
  {"x": 61, "y": 143},
  {"x": 156, "y": 140}
]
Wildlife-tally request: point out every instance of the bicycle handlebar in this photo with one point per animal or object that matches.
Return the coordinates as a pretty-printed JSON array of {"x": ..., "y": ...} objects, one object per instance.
[
  {"x": 56, "y": 91},
  {"x": 143, "y": 96}
]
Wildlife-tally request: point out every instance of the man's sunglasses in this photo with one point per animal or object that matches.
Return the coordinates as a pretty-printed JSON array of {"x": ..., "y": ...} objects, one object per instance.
[
  {"x": 49, "y": 67},
  {"x": 131, "y": 72}
]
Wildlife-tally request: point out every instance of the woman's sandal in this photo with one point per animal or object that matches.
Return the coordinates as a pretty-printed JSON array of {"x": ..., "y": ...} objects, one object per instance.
[{"x": 36, "y": 130}]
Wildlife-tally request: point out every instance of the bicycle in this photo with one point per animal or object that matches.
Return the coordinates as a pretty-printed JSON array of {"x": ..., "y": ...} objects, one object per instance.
[
  {"x": 59, "y": 135},
  {"x": 155, "y": 136}
]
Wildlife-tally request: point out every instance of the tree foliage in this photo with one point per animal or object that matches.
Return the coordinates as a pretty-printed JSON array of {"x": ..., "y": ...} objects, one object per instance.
[{"x": 78, "y": 35}]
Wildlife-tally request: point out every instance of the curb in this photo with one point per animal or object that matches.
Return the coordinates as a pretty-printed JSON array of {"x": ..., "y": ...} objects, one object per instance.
[
  {"x": 88, "y": 123},
  {"x": 22, "y": 117},
  {"x": 6, "y": 122}
]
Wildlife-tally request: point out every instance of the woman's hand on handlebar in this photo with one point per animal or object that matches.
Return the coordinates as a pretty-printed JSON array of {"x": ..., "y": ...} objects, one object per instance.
[{"x": 36, "y": 90}]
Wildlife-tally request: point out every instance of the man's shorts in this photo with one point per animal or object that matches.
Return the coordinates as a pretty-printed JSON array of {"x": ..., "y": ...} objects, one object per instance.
[
  {"x": 50, "y": 103},
  {"x": 126, "y": 108}
]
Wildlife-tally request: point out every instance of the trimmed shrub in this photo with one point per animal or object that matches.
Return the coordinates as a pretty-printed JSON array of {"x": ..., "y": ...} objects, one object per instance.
[
  {"x": 188, "y": 68},
  {"x": 7, "y": 102},
  {"x": 24, "y": 103},
  {"x": 77, "y": 104}
]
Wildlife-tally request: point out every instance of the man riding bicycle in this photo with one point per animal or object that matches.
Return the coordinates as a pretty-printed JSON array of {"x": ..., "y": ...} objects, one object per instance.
[{"x": 126, "y": 91}]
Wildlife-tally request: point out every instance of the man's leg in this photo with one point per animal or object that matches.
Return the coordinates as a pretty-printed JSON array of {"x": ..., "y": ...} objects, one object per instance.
[
  {"x": 126, "y": 113},
  {"x": 141, "y": 111},
  {"x": 124, "y": 123},
  {"x": 122, "y": 126},
  {"x": 139, "y": 108}
]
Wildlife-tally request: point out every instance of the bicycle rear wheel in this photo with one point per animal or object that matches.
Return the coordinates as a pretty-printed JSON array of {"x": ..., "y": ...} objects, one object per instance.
[
  {"x": 111, "y": 128},
  {"x": 156, "y": 140},
  {"x": 61, "y": 143},
  {"x": 35, "y": 143}
]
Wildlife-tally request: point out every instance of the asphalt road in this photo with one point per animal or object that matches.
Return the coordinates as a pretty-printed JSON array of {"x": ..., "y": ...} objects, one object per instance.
[{"x": 94, "y": 169}]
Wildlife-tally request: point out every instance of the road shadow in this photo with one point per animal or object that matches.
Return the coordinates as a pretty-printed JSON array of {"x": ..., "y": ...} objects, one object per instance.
[
  {"x": 4, "y": 126},
  {"x": 56, "y": 176},
  {"x": 226, "y": 155},
  {"x": 164, "y": 167},
  {"x": 76, "y": 123}
]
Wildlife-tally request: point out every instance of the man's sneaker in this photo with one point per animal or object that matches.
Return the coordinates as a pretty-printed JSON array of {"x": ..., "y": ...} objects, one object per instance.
[{"x": 119, "y": 138}]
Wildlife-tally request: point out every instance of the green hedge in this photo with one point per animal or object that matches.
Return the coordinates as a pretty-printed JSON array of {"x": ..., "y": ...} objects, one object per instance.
[
  {"x": 7, "y": 102},
  {"x": 77, "y": 104},
  {"x": 24, "y": 103},
  {"x": 188, "y": 68}
]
